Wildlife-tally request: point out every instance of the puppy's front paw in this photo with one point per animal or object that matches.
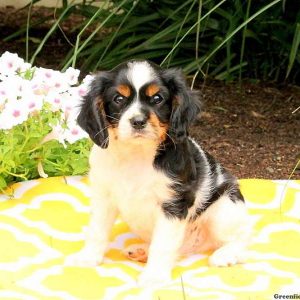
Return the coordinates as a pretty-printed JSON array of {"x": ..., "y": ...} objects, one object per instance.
[
  {"x": 225, "y": 257},
  {"x": 150, "y": 279},
  {"x": 84, "y": 258}
]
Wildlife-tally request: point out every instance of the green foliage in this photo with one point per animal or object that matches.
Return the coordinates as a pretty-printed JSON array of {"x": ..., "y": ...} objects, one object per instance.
[
  {"x": 222, "y": 39},
  {"x": 22, "y": 149}
]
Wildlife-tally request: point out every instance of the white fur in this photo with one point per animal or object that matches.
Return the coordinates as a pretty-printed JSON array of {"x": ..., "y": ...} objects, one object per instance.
[
  {"x": 220, "y": 177},
  {"x": 168, "y": 237},
  {"x": 140, "y": 73},
  {"x": 124, "y": 180},
  {"x": 204, "y": 190},
  {"x": 125, "y": 130},
  {"x": 133, "y": 186}
]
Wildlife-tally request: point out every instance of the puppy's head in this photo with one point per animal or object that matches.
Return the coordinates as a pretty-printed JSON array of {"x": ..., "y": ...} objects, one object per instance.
[{"x": 138, "y": 101}]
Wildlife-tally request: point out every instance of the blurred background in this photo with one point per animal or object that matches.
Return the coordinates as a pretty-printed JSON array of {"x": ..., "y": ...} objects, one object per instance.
[{"x": 223, "y": 40}]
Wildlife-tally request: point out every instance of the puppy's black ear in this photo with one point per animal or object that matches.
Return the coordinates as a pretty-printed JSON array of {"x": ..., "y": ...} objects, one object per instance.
[
  {"x": 92, "y": 116},
  {"x": 185, "y": 104}
]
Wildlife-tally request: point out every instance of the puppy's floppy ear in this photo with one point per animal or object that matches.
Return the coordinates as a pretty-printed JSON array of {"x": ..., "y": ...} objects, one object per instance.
[
  {"x": 185, "y": 103},
  {"x": 92, "y": 116}
]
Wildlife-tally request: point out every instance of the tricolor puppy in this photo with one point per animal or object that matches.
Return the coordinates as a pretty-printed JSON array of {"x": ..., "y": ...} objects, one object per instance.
[{"x": 144, "y": 165}]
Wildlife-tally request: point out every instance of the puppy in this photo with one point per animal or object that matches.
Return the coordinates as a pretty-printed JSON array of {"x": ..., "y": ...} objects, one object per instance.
[{"x": 144, "y": 165}]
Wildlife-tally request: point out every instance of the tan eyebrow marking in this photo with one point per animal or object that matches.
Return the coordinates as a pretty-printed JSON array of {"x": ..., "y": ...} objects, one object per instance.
[
  {"x": 124, "y": 90},
  {"x": 152, "y": 89}
]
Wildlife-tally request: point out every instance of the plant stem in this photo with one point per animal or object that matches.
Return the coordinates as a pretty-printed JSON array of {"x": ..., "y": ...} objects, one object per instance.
[
  {"x": 27, "y": 30},
  {"x": 243, "y": 41}
]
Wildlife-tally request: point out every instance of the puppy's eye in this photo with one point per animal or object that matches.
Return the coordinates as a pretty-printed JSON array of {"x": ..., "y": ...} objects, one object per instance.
[
  {"x": 157, "y": 99},
  {"x": 119, "y": 99}
]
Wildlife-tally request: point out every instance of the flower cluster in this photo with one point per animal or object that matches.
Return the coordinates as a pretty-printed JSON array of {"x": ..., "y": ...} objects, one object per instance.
[
  {"x": 24, "y": 91},
  {"x": 39, "y": 136}
]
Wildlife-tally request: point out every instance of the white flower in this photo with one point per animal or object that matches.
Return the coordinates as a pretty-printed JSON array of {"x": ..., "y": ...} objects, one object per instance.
[
  {"x": 54, "y": 80},
  {"x": 74, "y": 132},
  {"x": 3, "y": 94},
  {"x": 68, "y": 103},
  {"x": 55, "y": 99},
  {"x": 79, "y": 92},
  {"x": 38, "y": 87},
  {"x": 10, "y": 63},
  {"x": 76, "y": 94},
  {"x": 26, "y": 66},
  {"x": 57, "y": 133},
  {"x": 87, "y": 80},
  {"x": 72, "y": 75},
  {"x": 33, "y": 102},
  {"x": 21, "y": 98},
  {"x": 10, "y": 88},
  {"x": 14, "y": 113}
]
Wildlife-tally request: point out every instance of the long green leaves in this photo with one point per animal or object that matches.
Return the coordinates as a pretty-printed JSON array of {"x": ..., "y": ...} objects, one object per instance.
[
  {"x": 191, "y": 28},
  {"x": 238, "y": 29},
  {"x": 52, "y": 29},
  {"x": 228, "y": 39}
]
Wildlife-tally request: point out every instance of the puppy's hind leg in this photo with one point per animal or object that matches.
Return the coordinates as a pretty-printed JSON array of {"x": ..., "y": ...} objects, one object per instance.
[{"x": 229, "y": 229}]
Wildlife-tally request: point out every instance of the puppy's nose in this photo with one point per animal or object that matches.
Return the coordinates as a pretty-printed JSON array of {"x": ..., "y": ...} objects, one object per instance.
[{"x": 138, "y": 122}]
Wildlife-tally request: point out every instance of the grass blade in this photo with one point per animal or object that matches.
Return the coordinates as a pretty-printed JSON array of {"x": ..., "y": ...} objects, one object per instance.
[
  {"x": 198, "y": 29},
  {"x": 243, "y": 41},
  {"x": 294, "y": 50},
  {"x": 191, "y": 28},
  {"x": 115, "y": 33},
  {"x": 52, "y": 29},
  {"x": 27, "y": 30},
  {"x": 78, "y": 49},
  {"x": 180, "y": 29}
]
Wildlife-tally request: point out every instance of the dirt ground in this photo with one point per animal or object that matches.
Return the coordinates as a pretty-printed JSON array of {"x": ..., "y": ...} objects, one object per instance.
[{"x": 253, "y": 130}]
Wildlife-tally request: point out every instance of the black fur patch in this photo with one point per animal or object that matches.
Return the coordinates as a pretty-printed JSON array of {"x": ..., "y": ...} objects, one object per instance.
[
  {"x": 92, "y": 117},
  {"x": 186, "y": 104},
  {"x": 183, "y": 163}
]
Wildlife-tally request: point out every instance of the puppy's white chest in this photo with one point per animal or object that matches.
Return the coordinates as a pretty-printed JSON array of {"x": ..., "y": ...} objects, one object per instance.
[
  {"x": 138, "y": 198},
  {"x": 136, "y": 188}
]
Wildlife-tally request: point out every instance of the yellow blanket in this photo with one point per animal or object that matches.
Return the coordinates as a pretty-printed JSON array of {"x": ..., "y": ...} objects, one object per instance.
[{"x": 42, "y": 222}]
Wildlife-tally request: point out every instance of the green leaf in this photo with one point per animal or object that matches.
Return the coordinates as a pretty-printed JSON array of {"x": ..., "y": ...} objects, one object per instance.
[
  {"x": 3, "y": 183},
  {"x": 294, "y": 49}
]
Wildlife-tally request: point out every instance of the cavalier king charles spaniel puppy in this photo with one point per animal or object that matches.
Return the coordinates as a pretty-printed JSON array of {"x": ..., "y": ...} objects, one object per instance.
[{"x": 145, "y": 167}]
